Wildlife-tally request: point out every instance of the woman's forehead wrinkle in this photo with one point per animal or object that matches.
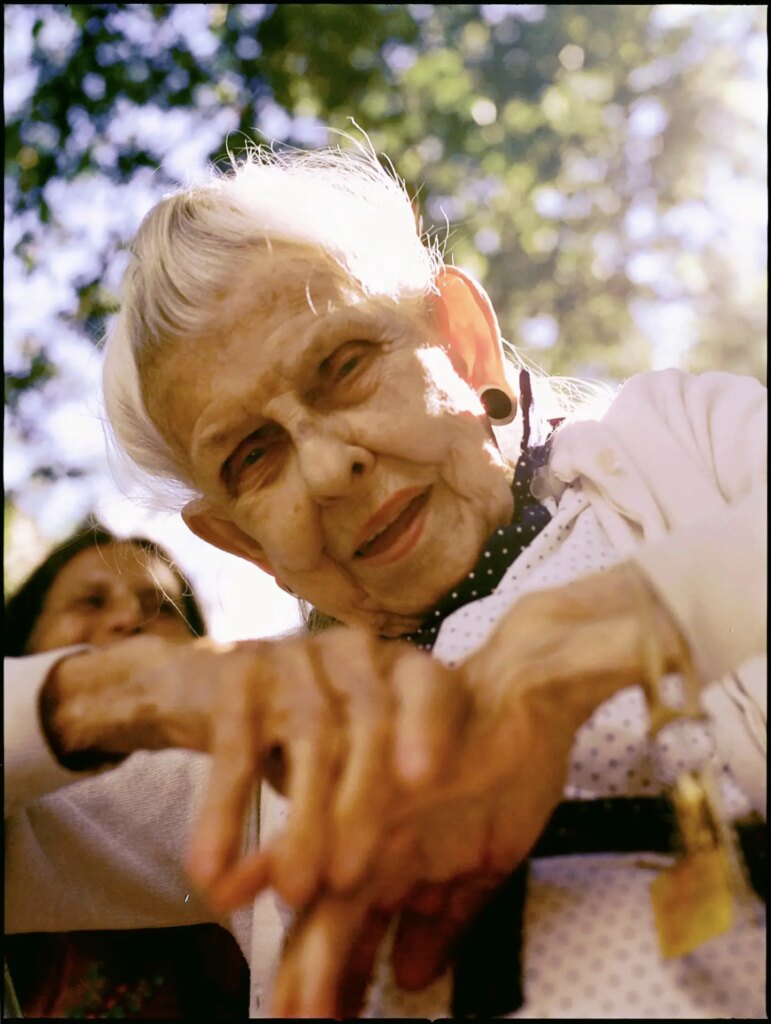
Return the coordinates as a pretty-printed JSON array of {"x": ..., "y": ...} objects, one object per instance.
[
  {"x": 209, "y": 442},
  {"x": 276, "y": 334},
  {"x": 218, "y": 425}
]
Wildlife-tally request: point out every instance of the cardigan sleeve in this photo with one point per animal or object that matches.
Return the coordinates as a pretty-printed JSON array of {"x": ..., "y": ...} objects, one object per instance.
[
  {"x": 108, "y": 851},
  {"x": 712, "y": 572},
  {"x": 712, "y": 576},
  {"x": 710, "y": 567},
  {"x": 31, "y": 769},
  {"x": 86, "y": 850},
  {"x": 676, "y": 469},
  {"x": 99, "y": 850}
]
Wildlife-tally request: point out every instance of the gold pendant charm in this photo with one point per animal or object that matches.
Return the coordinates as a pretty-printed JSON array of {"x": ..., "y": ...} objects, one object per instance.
[{"x": 693, "y": 901}]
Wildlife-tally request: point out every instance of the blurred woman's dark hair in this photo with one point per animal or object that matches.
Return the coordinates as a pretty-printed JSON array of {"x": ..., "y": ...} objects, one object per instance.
[{"x": 24, "y": 607}]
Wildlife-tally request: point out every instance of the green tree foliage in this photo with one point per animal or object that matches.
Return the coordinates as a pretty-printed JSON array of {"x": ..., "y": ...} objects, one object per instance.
[{"x": 591, "y": 164}]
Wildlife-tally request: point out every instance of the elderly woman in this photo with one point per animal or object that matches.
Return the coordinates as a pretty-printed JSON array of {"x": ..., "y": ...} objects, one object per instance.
[{"x": 515, "y": 577}]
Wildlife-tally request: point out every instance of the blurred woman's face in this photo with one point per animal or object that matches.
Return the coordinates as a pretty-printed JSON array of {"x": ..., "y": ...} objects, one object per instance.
[{"x": 108, "y": 593}]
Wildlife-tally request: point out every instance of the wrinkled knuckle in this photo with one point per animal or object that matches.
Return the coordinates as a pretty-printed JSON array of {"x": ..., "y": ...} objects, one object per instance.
[{"x": 411, "y": 668}]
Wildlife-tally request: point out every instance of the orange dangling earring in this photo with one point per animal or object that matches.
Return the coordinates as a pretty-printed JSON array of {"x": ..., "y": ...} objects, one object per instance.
[{"x": 501, "y": 407}]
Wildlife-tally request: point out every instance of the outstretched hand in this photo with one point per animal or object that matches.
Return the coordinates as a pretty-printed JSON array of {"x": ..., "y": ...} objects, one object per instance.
[
  {"x": 413, "y": 787},
  {"x": 445, "y": 842},
  {"x": 442, "y": 850},
  {"x": 344, "y": 724},
  {"x": 339, "y": 722}
]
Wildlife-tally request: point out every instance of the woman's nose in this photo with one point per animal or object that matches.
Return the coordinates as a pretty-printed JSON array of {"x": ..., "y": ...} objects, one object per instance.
[
  {"x": 124, "y": 616},
  {"x": 331, "y": 467}
]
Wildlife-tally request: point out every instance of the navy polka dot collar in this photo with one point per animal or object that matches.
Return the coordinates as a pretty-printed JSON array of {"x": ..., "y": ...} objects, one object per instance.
[
  {"x": 505, "y": 544},
  {"x": 501, "y": 549}
]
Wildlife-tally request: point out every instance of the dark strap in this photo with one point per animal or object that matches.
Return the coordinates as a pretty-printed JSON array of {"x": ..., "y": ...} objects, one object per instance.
[{"x": 487, "y": 980}]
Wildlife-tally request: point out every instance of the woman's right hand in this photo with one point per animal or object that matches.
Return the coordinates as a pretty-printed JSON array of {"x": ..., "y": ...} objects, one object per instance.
[{"x": 343, "y": 723}]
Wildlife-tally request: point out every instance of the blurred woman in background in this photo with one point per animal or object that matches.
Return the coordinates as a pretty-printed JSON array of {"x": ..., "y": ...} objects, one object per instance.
[{"x": 96, "y": 589}]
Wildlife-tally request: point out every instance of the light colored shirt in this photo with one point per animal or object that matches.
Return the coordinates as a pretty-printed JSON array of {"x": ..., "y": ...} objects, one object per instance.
[{"x": 590, "y": 945}]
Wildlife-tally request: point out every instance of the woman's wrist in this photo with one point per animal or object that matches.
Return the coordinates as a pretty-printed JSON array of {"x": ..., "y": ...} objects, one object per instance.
[
  {"x": 97, "y": 706},
  {"x": 59, "y": 706}
]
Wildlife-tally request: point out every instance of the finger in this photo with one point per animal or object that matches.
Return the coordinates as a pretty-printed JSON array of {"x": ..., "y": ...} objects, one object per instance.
[
  {"x": 361, "y": 962},
  {"x": 360, "y": 812},
  {"x": 400, "y": 864},
  {"x": 303, "y": 722},
  {"x": 312, "y": 972},
  {"x": 421, "y": 946},
  {"x": 219, "y": 828},
  {"x": 427, "y": 899},
  {"x": 355, "y": 668},
  {"x": 432, "y": 709},
  {"x": 299, "y": 855},
  {"x": 424, "y": 944},
  {"x": 242, "y": 883},
  {"x": 337, "y": 932}
]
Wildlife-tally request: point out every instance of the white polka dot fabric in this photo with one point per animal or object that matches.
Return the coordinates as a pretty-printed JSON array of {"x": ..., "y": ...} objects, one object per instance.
[
  {"x": 571, "y": 545},
  {"x": 590, "y": 948}
]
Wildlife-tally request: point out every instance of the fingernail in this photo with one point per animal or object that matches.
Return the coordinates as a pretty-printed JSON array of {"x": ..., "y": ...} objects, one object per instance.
[{"x": 413, "y": 763}]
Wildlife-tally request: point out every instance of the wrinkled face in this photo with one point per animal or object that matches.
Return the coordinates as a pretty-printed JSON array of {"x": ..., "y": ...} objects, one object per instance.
[
  {"x": 334, "y": 432},
  {"x": 106, "y": 594}
]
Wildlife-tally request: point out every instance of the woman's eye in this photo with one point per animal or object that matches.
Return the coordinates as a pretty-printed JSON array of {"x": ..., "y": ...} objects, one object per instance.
[
  {"x": 253, "y": 456},
  {"x": 348, "y": 366},
  {"x": 256, "y": 459},
  {"x": 92, "y": 601},
  {"x": 345, "y": 361},
  {"x": 152, "y": 606}
]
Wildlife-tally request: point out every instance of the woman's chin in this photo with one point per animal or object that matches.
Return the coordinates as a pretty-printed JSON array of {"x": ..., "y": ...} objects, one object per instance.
[{"x": 383, "y": 621}]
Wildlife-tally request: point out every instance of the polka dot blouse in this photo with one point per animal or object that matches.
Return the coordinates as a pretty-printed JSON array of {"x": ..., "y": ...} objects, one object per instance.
[{"x": 590, "y": 949}]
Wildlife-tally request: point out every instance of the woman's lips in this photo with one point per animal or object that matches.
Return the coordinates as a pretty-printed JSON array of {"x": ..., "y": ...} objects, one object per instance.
[{"x": 399, "y": 535}]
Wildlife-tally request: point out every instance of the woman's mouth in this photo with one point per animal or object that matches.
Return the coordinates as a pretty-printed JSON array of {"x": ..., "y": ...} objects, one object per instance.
[{"x": 394, "y": 529}]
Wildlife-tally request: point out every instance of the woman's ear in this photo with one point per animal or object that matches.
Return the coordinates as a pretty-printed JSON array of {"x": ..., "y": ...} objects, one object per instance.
[
  {"x": 467, "y": 321},
  {"x": 224, "y": 534}
]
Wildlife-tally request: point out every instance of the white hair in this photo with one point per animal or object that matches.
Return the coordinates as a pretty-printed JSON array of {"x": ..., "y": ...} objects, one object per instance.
[
  {"x": 340, "y": 206},
  {"x": 343, "y": 206}
]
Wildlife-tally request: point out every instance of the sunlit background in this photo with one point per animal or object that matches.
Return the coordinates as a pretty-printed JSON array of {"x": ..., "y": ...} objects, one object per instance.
[{"x": 602, "y": 169}]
